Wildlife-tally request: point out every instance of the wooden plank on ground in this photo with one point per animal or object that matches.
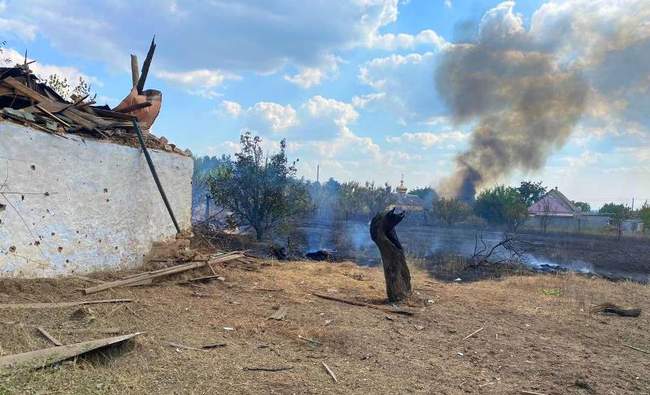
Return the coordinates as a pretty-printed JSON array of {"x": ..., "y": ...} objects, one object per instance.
[
  {"x": 162, "y": 272},
  {"x": 362, "y": 304},
  {"x": 48, "y": 356},
  {"x": 49, "y": 337},
  {"x": 60, "y": 304}
]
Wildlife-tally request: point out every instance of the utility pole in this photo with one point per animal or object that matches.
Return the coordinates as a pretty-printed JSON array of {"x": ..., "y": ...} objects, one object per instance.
[{"x": 318, "y": 173}]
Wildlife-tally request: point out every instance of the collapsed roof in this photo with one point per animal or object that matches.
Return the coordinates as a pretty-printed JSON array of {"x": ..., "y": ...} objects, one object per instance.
[{"x": 27, "y": 100}]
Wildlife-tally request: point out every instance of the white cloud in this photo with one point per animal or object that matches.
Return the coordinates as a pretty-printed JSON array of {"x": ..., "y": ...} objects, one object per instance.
[
  {"x": 448, "y": 3},
  {"x": 429, "y": 139},
  {"x": 199, "y": 82},
  {"x": 44, "y": 70},
  {"x": 407, "y": 83},
  {"x": 262, "y": 116},
  {"x": 308, "y": 77},
  {"x": 23, "y": 30},
  {"x": 392, "y": 42},
  {"x": 340, "y": 113},
  {"x": 362, "y": 101},
  {"x": 231, "y": 108},
  {"x": 279, "y": 117},
  {"x": 231, "y": 36}
]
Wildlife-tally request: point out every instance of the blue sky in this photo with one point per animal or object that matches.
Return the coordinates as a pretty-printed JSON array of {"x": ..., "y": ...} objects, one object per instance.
[{"x": 350, "y": 84}]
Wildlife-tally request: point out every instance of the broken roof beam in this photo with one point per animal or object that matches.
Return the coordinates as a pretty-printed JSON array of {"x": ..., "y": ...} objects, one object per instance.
[
  {"x": 135, "y": 73},
  {"x": 44, "y": 101},
  {"x": 134, "y": 107},
  {"x": 146, "y": 65}
]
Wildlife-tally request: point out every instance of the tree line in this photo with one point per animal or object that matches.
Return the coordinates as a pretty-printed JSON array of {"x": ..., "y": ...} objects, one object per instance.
[{"x": 261, "y": 190}]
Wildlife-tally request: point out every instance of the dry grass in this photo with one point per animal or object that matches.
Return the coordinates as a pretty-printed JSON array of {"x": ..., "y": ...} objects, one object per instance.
[{"x": 532, "y": 340}]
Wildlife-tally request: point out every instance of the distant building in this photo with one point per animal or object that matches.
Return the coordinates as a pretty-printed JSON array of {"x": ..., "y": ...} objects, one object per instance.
[
  {"x": 407, "y": 201},
  {"x": 555, "y": 211},
  {"x": 554, "y": 203}
]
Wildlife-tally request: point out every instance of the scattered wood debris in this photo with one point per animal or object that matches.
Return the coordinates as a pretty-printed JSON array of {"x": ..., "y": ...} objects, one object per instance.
[
  {"x": 610, "y": 308},
  {"x": 280, "y": 369},
  {"x": 329, "y": 371},
  {"x": 308, "y": 340},
  {"x": 60, "y": 304},
  {"x": 637, "y": 349},
  {"x": 49, "y": 356},
  {"x": 49, "y": 337},
  {"x": 362, "y": 304},
  {"x": 206, "y": 347},
  {"x": 473, "y": 333},
  {"x": 203, "y": 279},
  {"x": 150, "y": 276},
  {"x": 268, "y": 289},
  {"x": 27, "y": 100},
  {"x": 210, "y": 346},
  {"x": 184, "y": 347},
  {"x": 279, "y": 313}
]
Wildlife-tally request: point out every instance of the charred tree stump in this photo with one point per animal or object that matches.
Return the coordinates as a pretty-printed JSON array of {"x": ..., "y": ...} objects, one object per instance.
[{"x": 396, "y": 273}]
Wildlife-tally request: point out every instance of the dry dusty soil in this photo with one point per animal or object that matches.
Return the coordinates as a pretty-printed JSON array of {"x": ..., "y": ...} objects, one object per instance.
[{"x": 538, "y": 335}]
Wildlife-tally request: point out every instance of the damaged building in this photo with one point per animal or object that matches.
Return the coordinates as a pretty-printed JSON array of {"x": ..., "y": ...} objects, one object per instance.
[{"x": 76, "y": 190}]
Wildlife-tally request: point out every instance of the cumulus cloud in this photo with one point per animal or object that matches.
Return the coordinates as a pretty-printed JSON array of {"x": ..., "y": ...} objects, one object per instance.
[
  {"x": 44, "y": 70},
  {"x": 308, "y": 77},
  {"x": 429, "y": 139},
  {"x": 243, "y": 35},
  {"x": 319, "y": 129},
  {"x": 392, "y": 42},
  {"x": 362, "y": 101},
  {"x": 262, "y": 116},
  {"x": 406, "y": 82},
  {"x": 231, "y": 108},
  {"x": 199, "y": 82}
]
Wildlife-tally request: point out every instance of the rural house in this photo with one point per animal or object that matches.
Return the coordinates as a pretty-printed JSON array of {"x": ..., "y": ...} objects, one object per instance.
[
  {"x": 76, "y": 191},
  {"x": 555, "y": 211}
]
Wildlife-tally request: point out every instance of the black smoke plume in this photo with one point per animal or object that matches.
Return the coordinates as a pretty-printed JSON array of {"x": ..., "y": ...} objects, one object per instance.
[{"x": 521, "y": 102}]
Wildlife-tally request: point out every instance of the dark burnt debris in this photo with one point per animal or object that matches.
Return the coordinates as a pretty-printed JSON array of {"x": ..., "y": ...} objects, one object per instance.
[{"x": 26, "y": 100}]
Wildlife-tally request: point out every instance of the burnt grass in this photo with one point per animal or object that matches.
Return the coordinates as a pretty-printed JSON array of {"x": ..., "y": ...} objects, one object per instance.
[{"x": 538, "y": 334}]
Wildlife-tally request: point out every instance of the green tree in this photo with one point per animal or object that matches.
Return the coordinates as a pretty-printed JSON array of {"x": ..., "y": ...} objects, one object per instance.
[
  {"x": 618, "y": 214},
  {"x": 531, "y": 191},
  {"x": 69, "y": 90},
  {"x": 350, "y": 201},
  {"x": 583, "y": 206},
  {"x": 501, "y": 206},
  {"x": 375, "y": 199},
  {"x": 261, "y": 191},
  {"x": 427, "y": 194},
  {"x": 450, "y": 211}
]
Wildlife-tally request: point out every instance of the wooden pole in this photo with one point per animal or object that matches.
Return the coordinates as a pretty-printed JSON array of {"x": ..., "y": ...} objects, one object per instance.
[
  {"x": 155, "y": 175},
  {"x": 135, "y": 73}
]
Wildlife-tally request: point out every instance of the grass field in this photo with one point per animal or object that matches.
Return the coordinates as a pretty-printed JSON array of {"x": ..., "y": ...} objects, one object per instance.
[{"x": 538, "y": 335}]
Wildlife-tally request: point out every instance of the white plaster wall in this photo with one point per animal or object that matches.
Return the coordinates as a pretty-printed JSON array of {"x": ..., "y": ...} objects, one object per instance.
[{"x": 102, "y": 207}]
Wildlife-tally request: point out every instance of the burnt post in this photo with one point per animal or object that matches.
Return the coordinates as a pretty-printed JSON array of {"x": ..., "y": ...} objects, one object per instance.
[{"x": 396, "y": 272}]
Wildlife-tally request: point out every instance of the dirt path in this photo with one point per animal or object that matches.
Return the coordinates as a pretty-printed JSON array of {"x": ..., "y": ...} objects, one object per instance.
[{"x": 537, "y": 336}]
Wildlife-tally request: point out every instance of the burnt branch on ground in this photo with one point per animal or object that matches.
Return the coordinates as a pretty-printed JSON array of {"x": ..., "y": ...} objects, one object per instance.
[{"x": 508, "y": 249}]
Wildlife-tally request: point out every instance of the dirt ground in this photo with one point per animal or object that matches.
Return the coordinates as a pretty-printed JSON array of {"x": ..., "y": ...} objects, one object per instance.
[{"x": 538, "y": 335}]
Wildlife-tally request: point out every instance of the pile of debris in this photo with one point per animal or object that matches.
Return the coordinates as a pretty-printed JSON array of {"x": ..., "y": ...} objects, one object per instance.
[{"x": 27, "y": 100}]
